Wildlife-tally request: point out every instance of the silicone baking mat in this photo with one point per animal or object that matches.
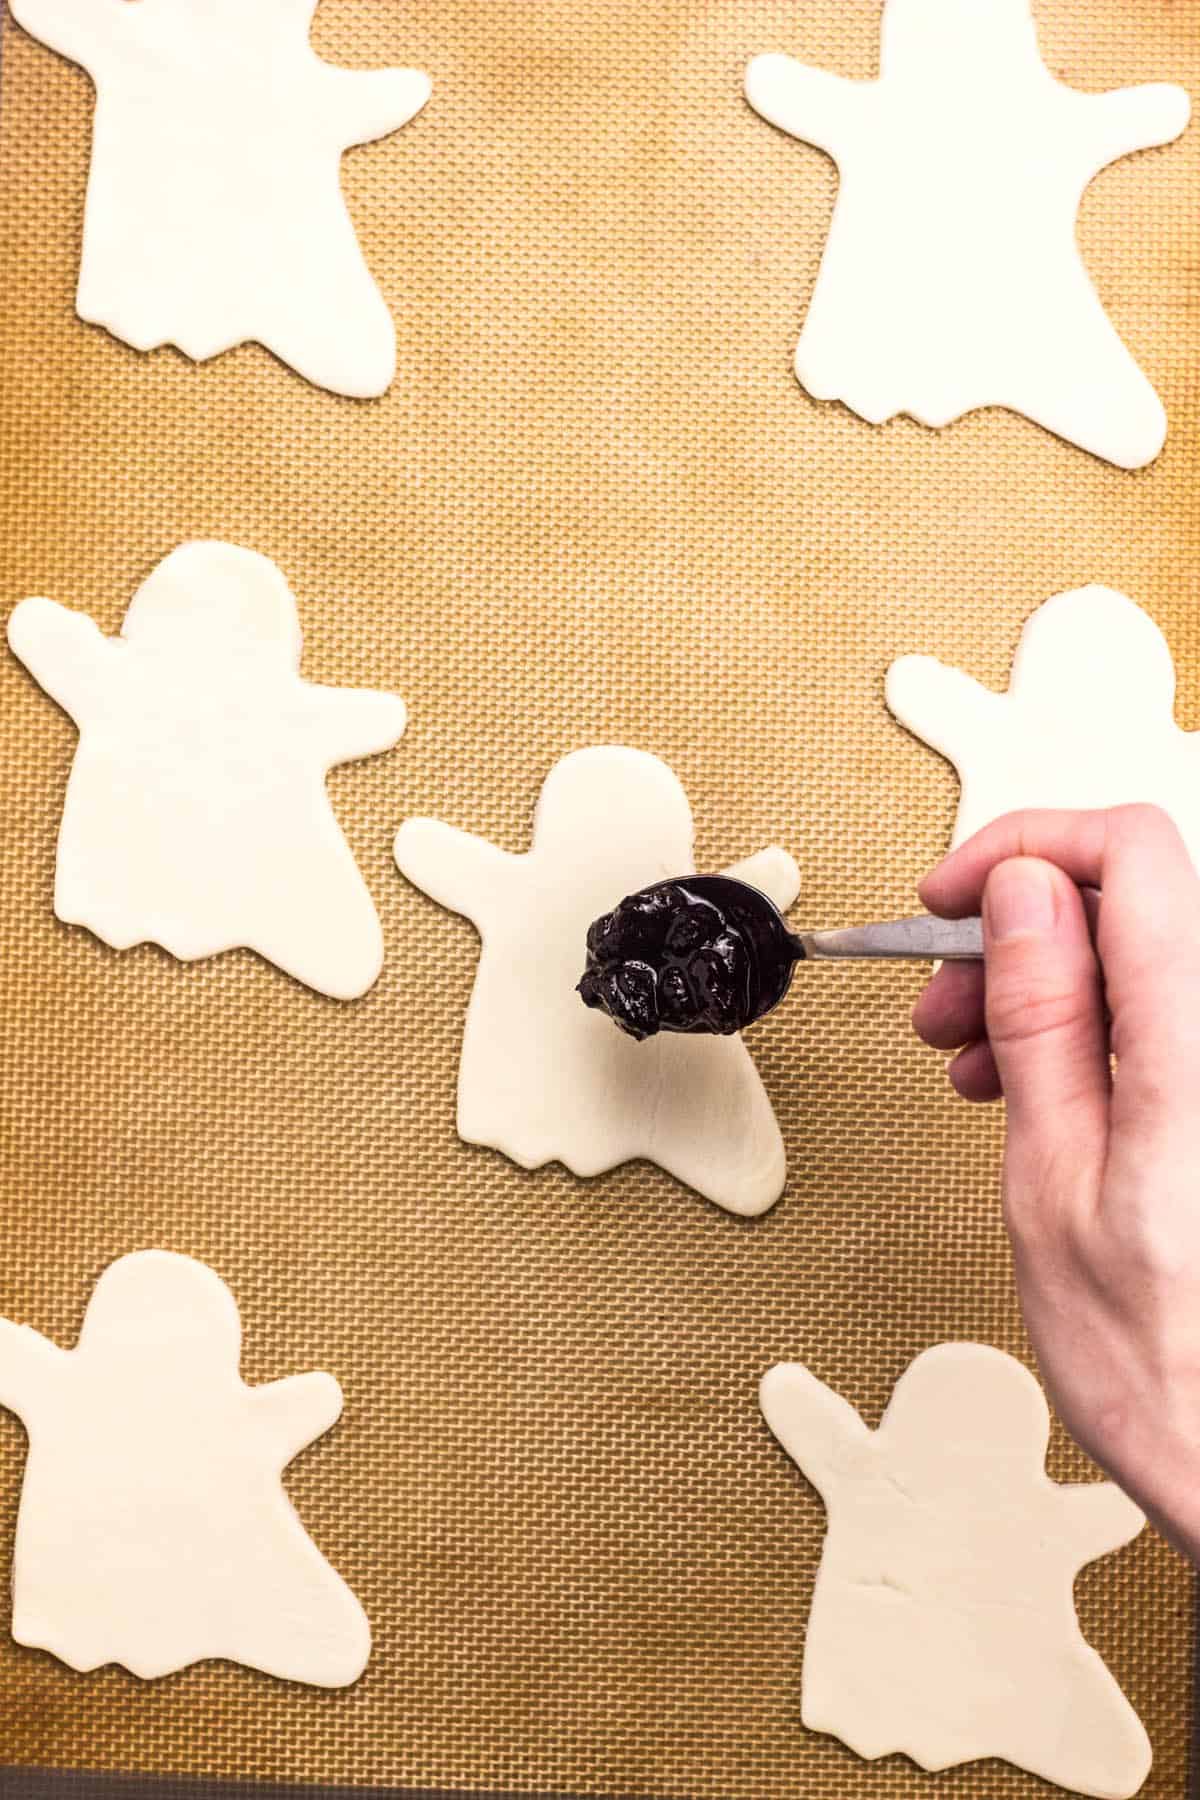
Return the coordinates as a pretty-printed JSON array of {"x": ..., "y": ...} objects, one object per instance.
[{"x": 595, "y": 506}]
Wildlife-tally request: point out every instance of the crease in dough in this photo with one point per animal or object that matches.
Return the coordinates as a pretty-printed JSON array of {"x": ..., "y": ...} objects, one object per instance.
[{"x": 943, "y": 1623}]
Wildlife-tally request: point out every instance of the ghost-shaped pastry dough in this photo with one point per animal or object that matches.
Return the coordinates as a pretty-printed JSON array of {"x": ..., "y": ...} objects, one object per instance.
[
  {"x": 1087, "y": 720},
  {"x": 196, "y": 815},
  {"x": 952, "y": 278},
  {"x": 542, "y": 1078},
  {"x": 154, "y": 1530},
  {"x": 943, "y": 1624},
  {"x": 214, "y": 210}
]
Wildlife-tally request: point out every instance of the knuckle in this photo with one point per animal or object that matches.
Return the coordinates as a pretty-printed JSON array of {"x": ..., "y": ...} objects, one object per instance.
[
  {"x": 1149, "y": 1242},
  {"x": 1021, "y": 1215},
  {"x": 1158, "y": 1256}
]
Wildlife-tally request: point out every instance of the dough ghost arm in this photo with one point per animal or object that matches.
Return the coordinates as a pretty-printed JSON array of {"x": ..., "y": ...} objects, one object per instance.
[
  {"x": 457, "y": 870},
  {"x": 358, "y": 721},
  {"x": 372, "y": 103},
  {"x": 943, "y": 706},
  {"x": 29, "y": 1363},
  {"x": 1134, "y": 118},
  {"x": 1097, "y": 1518},
  {"x": 64, "y": 651},
  {"x": 810, "y": 104},
  {"x": 773, "y": 872},
  {"x": 80, "y": 33},
  {"x": 815, "y": 1426},
  {"x": 294, "y": 1412}
]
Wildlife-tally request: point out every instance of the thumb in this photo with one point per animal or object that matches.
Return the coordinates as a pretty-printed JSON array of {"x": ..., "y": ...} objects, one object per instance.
[{"x": 1045, "y": 1016}]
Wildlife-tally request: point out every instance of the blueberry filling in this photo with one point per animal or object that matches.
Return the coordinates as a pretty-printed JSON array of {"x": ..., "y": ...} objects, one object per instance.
[{"x": 689, "y": 955}]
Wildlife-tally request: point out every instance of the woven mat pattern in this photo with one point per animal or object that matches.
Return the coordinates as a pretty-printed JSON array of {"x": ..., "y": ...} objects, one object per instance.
[{"x": 594, "y": 507}]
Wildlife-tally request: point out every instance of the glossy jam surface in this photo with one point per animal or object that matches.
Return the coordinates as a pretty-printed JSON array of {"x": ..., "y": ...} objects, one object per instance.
[{"x": 685, "y": 956}]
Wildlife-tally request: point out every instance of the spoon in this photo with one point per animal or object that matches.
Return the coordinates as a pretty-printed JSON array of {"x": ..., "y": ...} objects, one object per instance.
[{"x": 708, "y": 953}]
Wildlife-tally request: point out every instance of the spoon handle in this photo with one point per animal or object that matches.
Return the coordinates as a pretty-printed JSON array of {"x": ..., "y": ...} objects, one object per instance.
[{"x": 919, "y": 940}]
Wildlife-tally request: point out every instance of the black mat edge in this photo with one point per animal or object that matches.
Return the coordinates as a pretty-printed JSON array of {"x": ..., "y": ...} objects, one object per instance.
[{"x": 72, "y": 1784}]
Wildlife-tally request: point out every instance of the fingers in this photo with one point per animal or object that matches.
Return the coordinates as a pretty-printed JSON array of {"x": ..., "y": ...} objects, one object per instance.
[
  {"x": 1147, "y": 932},
  {"x": 1046, "y": 1023},
  {"x": 974, "y": 1075},
  {"x": 1076, "y": 841},
  {"x": 1133, "y": 854},
  {"x": 949, "y": 1012}
]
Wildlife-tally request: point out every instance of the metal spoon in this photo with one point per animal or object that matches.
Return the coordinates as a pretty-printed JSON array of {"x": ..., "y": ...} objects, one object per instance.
[{"x": 708, "y": 953}]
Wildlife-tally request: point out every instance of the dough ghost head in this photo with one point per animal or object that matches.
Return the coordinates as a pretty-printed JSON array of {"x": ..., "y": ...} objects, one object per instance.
[
  {"x": 919, "y": 34},
  {"x": 630, "y": 801},
  {"x": 954, "y": 1423},
  {"x": 216, "y": 600},
  {"x": 1096, "y": 645},
  {"x": 155, "y": 1309},
  {"x": 216, "y": 13},
  {"x": 218, "y": 21}
]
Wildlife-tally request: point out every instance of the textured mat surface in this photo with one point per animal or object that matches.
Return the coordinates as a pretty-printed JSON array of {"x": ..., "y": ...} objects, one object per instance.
[{"x": 595, "y": 506}]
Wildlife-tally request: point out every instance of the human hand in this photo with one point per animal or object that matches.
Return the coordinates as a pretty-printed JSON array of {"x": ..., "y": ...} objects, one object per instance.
[{"x": 1101, "y": 1182}]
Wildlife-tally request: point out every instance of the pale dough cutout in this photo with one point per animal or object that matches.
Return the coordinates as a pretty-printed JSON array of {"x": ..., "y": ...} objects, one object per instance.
[
  {"x": 196, "y": 814},
  {"x": 952, "y": 278},
  {"x": 214, "y": 209},
  {"x": 1087, "y": 720},
  {"x": 154, "y": 1530},
  {"x": 943, "y": 1625},
  {"x": 543, "y": 1079}
]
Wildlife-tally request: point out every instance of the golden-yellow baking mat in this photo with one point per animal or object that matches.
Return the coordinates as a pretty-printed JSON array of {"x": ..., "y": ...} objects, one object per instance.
[{"x": 595, "y": 506}]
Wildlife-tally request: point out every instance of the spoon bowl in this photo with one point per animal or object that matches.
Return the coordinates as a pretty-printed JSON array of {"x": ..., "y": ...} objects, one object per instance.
[{"x": 709, "y": 953}]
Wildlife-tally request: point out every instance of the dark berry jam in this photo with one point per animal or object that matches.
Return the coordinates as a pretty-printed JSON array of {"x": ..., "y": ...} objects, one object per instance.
[{"x": 705, "y": 953}]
